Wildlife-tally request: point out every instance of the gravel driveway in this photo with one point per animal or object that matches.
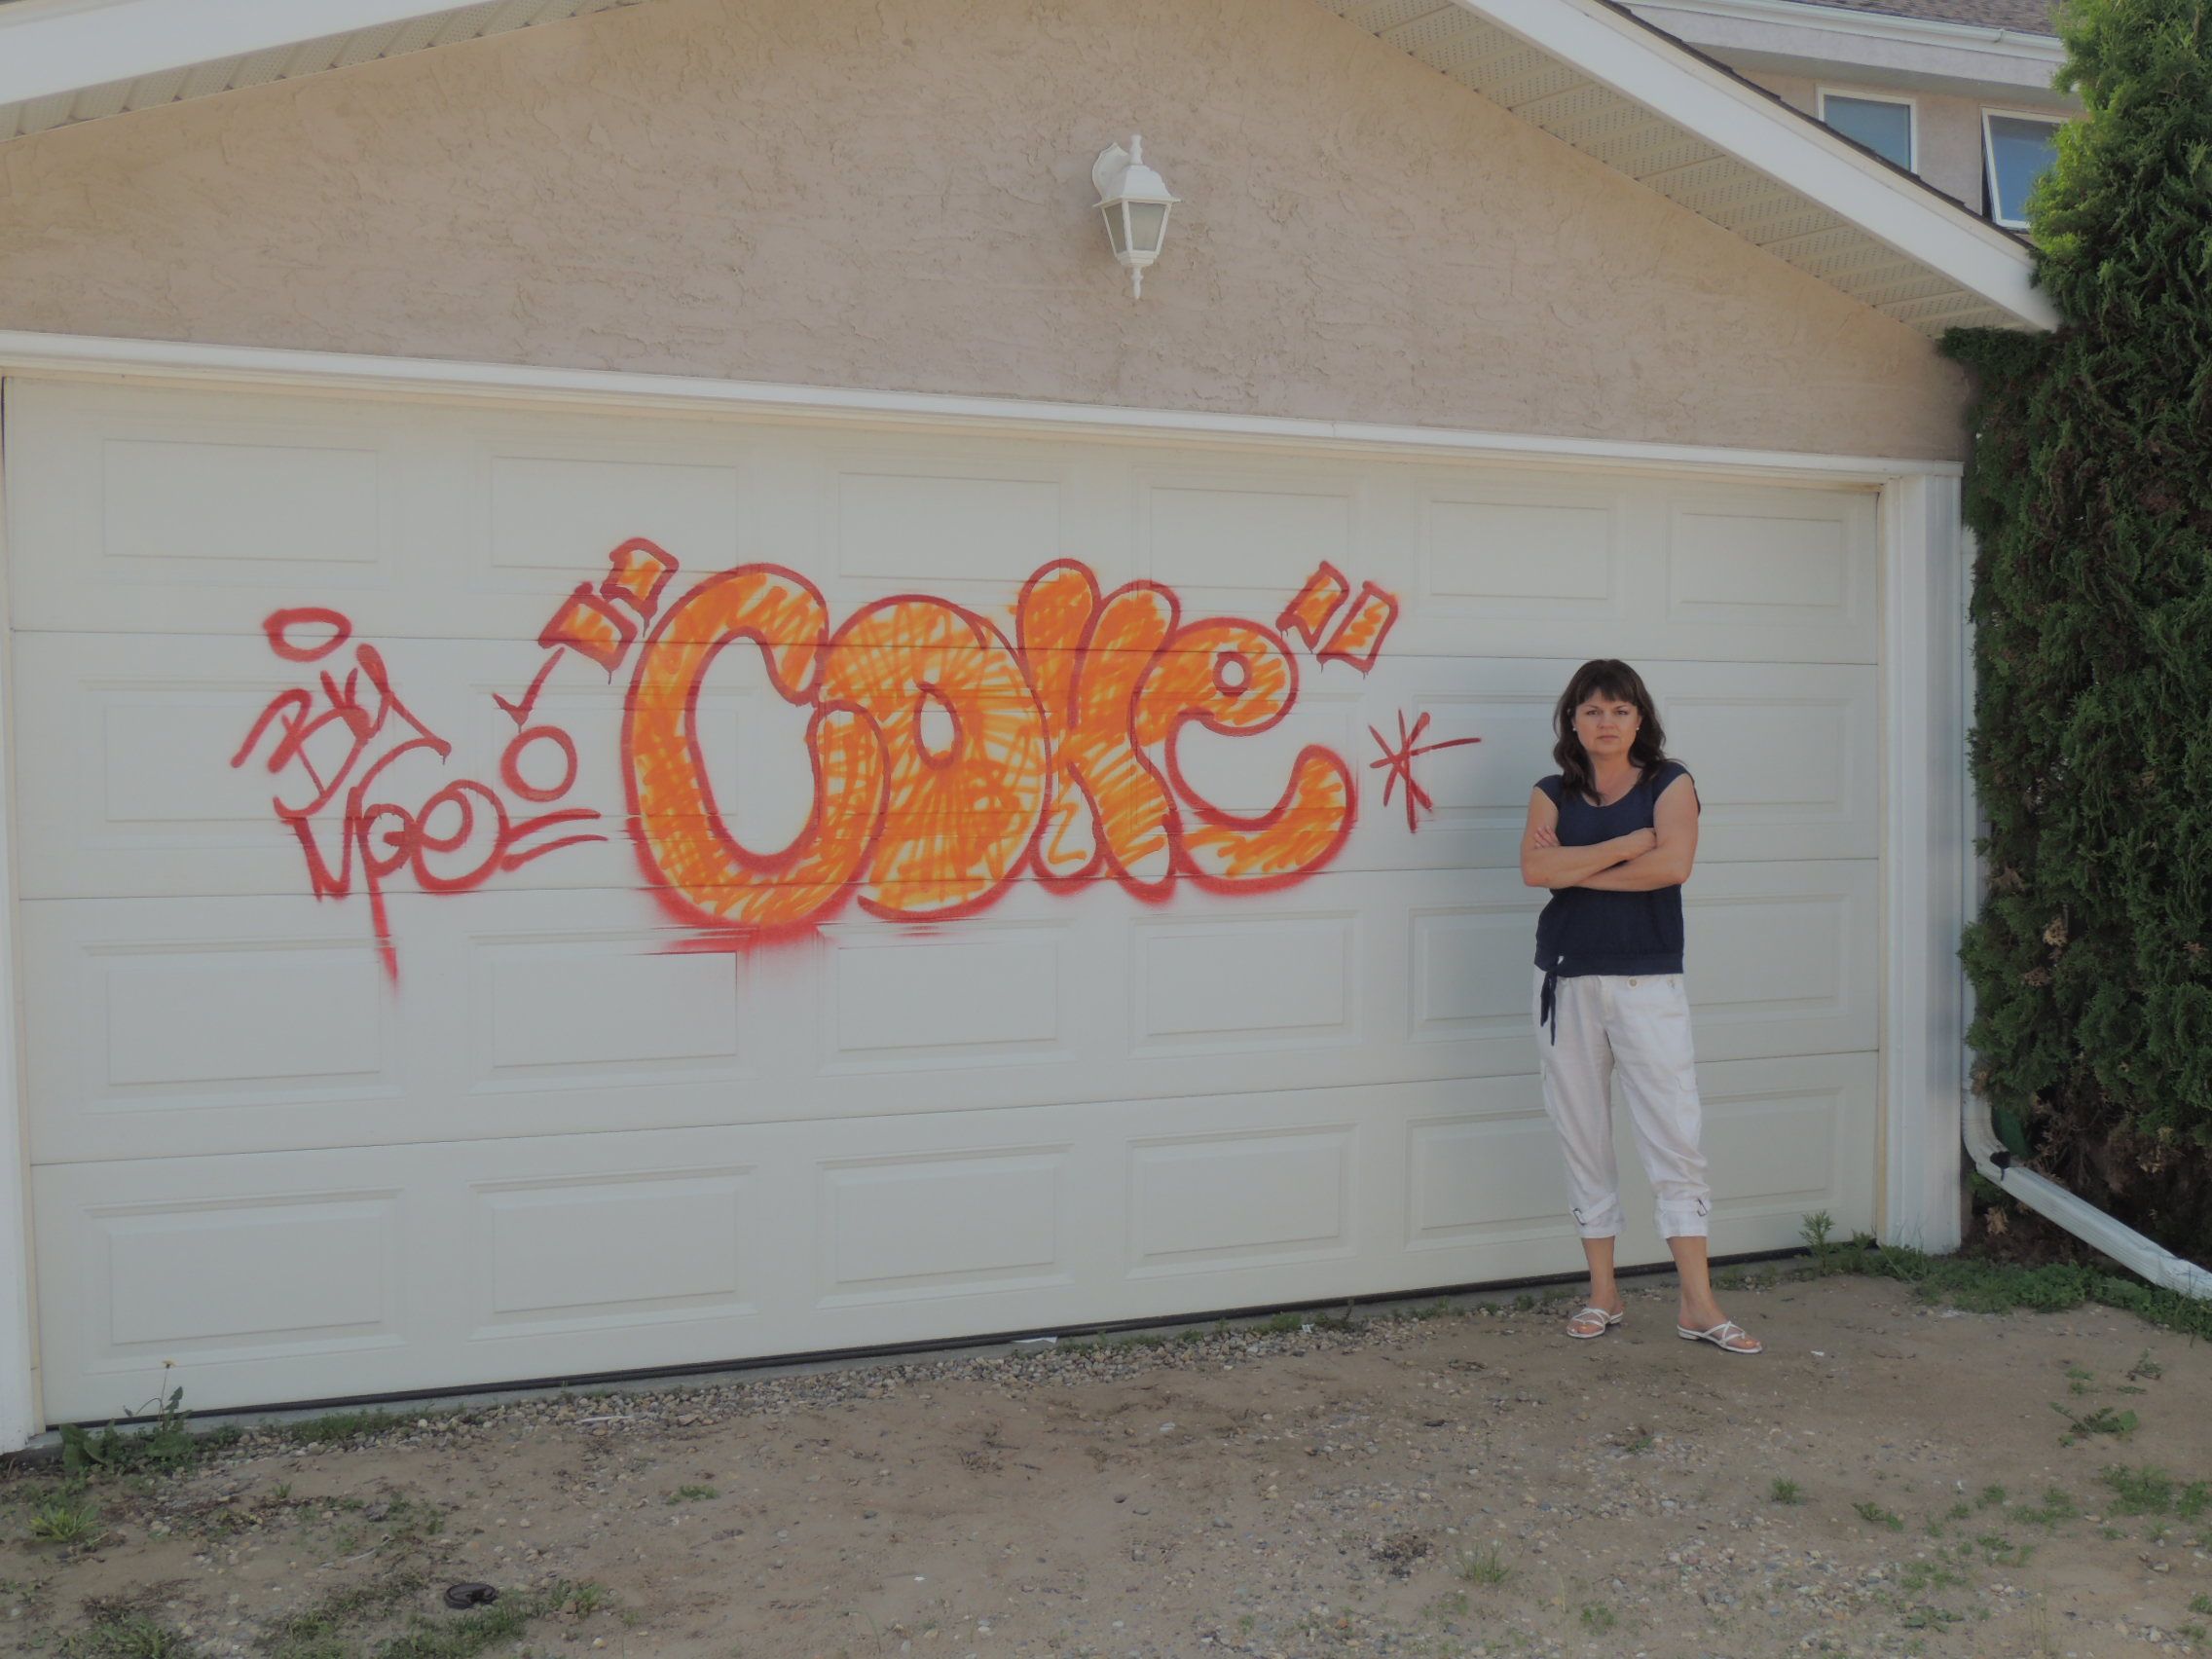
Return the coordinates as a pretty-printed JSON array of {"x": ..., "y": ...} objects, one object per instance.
[{"x": 1889, "y": 1478}]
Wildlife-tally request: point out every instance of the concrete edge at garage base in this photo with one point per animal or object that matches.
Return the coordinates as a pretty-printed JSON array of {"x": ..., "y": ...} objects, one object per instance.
[{"x": 46, "y": 1448}]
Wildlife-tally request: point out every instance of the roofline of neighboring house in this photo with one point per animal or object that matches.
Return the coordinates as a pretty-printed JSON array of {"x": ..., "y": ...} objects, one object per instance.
[
  {"x": 2040, "y": 46},
  {"x": 1612, "y": 44},
  {"x": 1904, "y": 175}
]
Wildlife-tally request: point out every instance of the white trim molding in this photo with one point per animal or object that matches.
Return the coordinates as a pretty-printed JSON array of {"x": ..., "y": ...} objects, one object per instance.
[
  {"x": 21, "y": 1415},
  {"x": 1925, "y": 896},
  {"x": 73, "y": 355}
]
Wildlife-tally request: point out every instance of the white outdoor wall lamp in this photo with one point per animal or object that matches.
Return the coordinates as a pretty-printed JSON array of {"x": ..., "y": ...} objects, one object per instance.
[{"x": 1135, "y": 202}]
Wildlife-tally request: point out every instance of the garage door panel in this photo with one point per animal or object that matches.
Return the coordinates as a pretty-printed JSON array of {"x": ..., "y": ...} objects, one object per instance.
[
  {"x": 174, "y": 1027},
  {"x": 423, "y": 1267},
  {"x": 1782, "y": 958}
]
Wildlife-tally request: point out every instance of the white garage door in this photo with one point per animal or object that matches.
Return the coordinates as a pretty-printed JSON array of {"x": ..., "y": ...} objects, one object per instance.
[{"x": 510, "y": 895}]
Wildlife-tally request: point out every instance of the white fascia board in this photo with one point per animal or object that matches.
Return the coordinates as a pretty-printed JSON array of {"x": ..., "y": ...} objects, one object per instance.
[
  {"x": 1875, "y": 25},
  {"x": 1641, "y": 64},
  {"x": 1790, "y": 46},
  {"x": 51, "y": 47}
]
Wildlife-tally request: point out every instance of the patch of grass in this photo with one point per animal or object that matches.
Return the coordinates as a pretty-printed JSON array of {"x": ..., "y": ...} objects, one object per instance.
[
  {"x": 2200, "y": 1602},
  {"x": 334, "y": 1426},
  {"x": 126, "y": 1636},
  {"x": 2144, "y": 1367},
  {"x": 1785, "y": 1491},
  {"x": 2150, "y": 1490},
  {"x": 2001, "y": 1551},
  {"x": 1597, "y": 1616},
  {"x": 1960, "y": 1510},
  {"x": 162, "y": 1445},
  {"x": 1919, "y": 1576},
  {"x": 337, "y": 1627},
  {"x": 1875, "y": 1515},
  {"x": 408, "y": 1521},
  {"x": 1927, "y": 1616},
  {"x": 465, "y": 1635},
  {"x": 1998, "y": 1287},
  {"x": 2057, "y": 1505},
  {"x": 2080, "y": 1425},
  {"x": 1485, "y": 1567},
  {"x": 65, "y": 1520},
  {"x": 692, "y": 1493},
  {"x": 587, "y": 1599},
  {"x": 2078, "y": 1380},
  {"x": 318, "y": 1630},
  {"x": 1991, "y": 1496}
]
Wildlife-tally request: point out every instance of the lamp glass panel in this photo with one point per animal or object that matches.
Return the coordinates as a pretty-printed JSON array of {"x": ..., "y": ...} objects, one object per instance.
[
  {"x": 1148, "y": 222},
  {"x": 1116, "y": 226}
]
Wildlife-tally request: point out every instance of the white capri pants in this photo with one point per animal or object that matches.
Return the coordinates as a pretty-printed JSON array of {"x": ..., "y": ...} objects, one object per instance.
[{"x": 1639, "y": 1027}]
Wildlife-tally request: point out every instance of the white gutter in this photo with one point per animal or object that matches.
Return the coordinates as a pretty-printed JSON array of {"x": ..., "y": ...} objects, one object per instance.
[
  {"x": 2142, "y": 1256},
  {"x": 2032, "y": 47}
]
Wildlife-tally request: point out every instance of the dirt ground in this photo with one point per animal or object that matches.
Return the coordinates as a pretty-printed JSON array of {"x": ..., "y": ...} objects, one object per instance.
[{"x": 1887, "y": 1478}]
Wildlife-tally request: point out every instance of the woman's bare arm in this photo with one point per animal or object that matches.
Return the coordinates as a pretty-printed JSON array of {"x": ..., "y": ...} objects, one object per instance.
[
  {"x": 1544, "y": 863},
  {"x": 1668, "y": 862}
]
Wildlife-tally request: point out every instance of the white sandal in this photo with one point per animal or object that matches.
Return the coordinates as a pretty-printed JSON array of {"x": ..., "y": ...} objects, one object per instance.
[
  {"x": 1723, "y": 1337},
  {"x": 1594, "y": 1312}
]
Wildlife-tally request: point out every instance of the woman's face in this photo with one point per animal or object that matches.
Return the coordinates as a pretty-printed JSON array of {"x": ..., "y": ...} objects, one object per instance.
[{"x": 1605, "y": 725}]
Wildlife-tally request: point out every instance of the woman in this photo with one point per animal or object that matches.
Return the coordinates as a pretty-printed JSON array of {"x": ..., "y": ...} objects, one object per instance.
[{"x": 1614, "y": 835}]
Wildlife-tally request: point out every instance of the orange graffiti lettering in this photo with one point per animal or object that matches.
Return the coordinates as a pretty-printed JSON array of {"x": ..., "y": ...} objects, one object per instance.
[
  {"x": 1317, "y": 601},
  {"x": 1358, "y": 639},
  {"x": 683, "y": 839},
  {"x": 946, "y": 758}
]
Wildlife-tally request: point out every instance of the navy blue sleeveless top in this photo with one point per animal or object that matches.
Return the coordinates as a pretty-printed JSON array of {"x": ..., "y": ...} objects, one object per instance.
[{"x": 1587, "y": 930}]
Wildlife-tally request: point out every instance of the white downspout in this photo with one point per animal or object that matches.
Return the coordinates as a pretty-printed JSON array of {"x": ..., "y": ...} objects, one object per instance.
[{"x": 2046, "y": 1197}]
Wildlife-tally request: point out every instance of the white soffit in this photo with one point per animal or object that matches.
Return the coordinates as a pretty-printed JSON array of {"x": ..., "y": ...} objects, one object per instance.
[
  {"x": 69, "y": 60},
  {"x": 1623, "y": 92}
]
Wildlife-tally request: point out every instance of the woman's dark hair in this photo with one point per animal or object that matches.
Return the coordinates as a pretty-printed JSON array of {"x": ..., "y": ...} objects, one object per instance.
[{"x": 1605, "y": 677}]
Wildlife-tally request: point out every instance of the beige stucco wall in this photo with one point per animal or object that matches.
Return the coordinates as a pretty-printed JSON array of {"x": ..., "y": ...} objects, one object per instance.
[{"x": 896, "y": 193}]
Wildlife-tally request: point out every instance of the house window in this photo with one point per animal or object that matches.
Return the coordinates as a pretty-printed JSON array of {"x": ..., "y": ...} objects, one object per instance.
[
  {"x": 2019, "y": 150},
  {"x": 1883, "y": 124}
]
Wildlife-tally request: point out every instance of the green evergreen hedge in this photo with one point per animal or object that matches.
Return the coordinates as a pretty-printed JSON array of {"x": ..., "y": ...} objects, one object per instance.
[{"x": 2091, "y": 492}]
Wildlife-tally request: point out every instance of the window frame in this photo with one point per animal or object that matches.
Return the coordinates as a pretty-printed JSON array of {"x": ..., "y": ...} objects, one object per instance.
[
  {"x": 1822, "y": 94},
  {"x": 2042, "y": 117}
]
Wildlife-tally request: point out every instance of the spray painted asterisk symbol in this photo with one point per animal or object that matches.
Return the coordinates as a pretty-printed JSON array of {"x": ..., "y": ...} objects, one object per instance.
[{"x": 1400, "y": 761}]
